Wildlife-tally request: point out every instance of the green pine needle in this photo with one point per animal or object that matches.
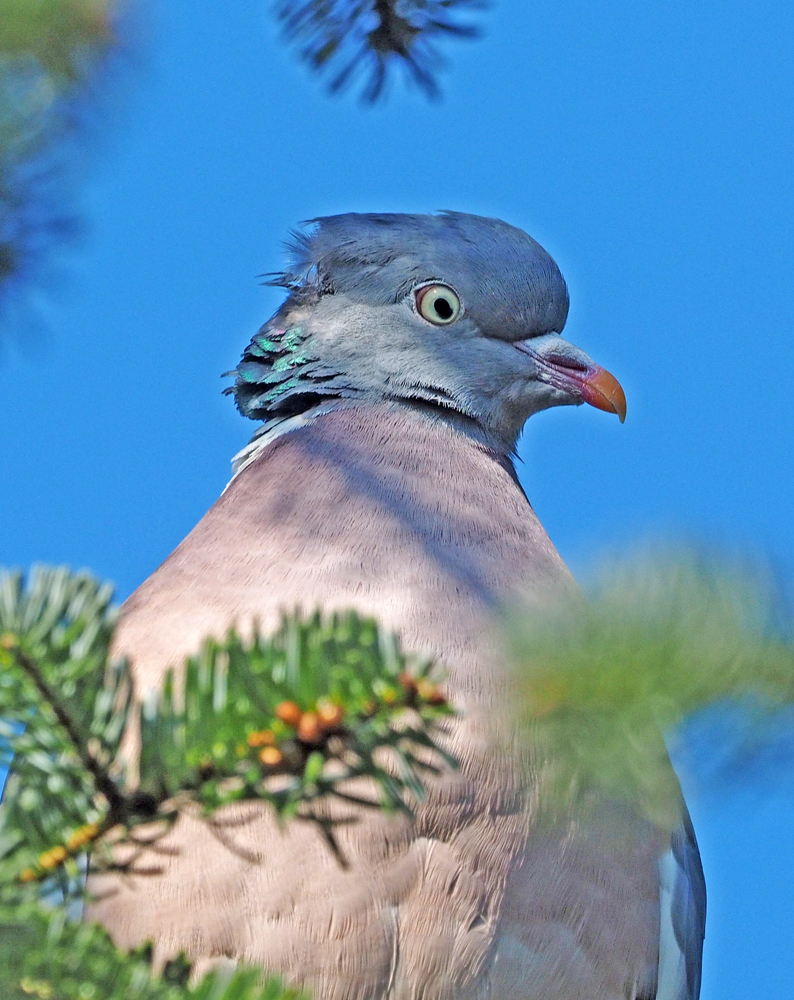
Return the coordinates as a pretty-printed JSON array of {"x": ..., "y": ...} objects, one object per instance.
[{"x": 656, "y": 640}]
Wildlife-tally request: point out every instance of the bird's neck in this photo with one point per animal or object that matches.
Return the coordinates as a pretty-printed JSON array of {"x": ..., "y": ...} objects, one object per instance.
[
  {"x": 285, "y": 381},
  {"x": 444, "y": 535},
  {"x": 425, "y": 411}
]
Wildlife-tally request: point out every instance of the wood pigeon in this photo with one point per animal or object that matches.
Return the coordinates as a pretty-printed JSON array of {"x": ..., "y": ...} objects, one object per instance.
[{"x": 391, "y": 387}]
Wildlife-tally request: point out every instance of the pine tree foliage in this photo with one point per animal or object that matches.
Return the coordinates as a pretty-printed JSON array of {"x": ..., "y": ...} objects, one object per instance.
[
  {"x": 47, "y": 956},
  {"x": 316, "y": 702},
  {"x": 351, "y": 40},
  {"x": 57, "y": 715},
  {"x": 58, "y": 35},
  {"x": 656, "y": 639},
  {"x": 324, "y": 709},
  {"x": 50, "y": 51}
]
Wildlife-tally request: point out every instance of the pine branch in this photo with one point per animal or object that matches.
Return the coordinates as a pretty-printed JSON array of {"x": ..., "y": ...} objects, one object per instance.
[
  {"x": 658, "y": 639},
  {"x": 289, "y": 720},
  {"x": 367, "y": 39},
  {"x": 102, "y": 779},
  {"x": 50, "y": 57},
  {"x": 48, "y": 957}
]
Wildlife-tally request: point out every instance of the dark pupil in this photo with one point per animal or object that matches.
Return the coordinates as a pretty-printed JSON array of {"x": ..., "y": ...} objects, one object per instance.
[{"x": 443, "y": 308}]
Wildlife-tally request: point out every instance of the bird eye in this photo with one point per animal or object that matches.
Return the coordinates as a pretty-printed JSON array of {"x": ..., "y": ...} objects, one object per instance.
[{"x": 438, "y": 304}]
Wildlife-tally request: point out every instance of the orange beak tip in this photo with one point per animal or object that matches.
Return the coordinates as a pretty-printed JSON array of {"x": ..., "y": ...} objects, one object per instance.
[{"x": 602, "y": 390}]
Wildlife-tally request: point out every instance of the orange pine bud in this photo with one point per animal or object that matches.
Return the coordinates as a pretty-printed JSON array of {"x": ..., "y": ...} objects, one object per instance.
[
  {"x": 330, "y": 715},
  {"x": 289, "y": 713},
  {"x": 309, "y": 728},
  {"x": 407, "y": 683},
  {"x": 84, "y": 835},
  {"x": 271, "y": 756},
  {"x": 53, "y": 857},
  {"x": 430, "y": 692},
  {"x": 261, "y": 738}
]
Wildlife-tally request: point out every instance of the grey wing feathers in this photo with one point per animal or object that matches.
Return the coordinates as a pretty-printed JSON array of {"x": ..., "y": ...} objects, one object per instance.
[{"x": 683, "y": 916}]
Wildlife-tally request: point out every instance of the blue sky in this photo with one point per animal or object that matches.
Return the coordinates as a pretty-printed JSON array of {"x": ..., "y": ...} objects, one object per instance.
[{"x": 646, "y": 146}]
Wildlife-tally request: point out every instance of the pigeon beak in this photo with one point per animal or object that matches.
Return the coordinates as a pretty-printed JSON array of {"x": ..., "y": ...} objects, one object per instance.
[
  {"x": 601, "y": 389},
  {"x": 570, "y": 369}
]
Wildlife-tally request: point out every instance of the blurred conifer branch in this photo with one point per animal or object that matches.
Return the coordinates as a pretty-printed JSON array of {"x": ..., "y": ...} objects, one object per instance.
[
  {"x": 349, "y": 40},
  {"x": 293, "y": 721},
  {"x": 656, "y": 640},
  {"x": 47, "y": 956},
  {"x": 50, "y": 51}
]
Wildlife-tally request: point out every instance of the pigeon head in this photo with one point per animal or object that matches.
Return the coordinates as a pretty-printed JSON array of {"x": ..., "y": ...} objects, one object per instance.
[{"x": 451, "y": 310}]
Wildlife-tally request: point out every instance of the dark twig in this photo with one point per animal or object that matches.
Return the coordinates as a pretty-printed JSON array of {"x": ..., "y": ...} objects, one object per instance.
[{"x": 102, "y": 780}]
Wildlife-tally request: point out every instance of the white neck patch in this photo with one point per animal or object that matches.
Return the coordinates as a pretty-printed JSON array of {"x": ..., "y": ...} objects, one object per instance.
[{"x": 273, "y": 429}]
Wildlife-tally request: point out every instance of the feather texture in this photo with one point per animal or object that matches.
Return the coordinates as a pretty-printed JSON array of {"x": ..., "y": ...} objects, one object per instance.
[
  {"x": 390, "y": 512},
  {"x": 683, "y": 916}
]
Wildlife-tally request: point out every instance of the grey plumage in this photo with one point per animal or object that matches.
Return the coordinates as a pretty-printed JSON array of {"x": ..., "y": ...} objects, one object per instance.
[
  {"x": 513, "y": 288},
  {"x": 350, "y": 327},
  {"x": 381, "y": 479},
  {"x": 682, "y": 878}
]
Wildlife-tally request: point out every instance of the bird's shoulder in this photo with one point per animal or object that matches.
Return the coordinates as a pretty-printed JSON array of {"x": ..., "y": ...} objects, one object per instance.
[{"x": 377, "y": 509}]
